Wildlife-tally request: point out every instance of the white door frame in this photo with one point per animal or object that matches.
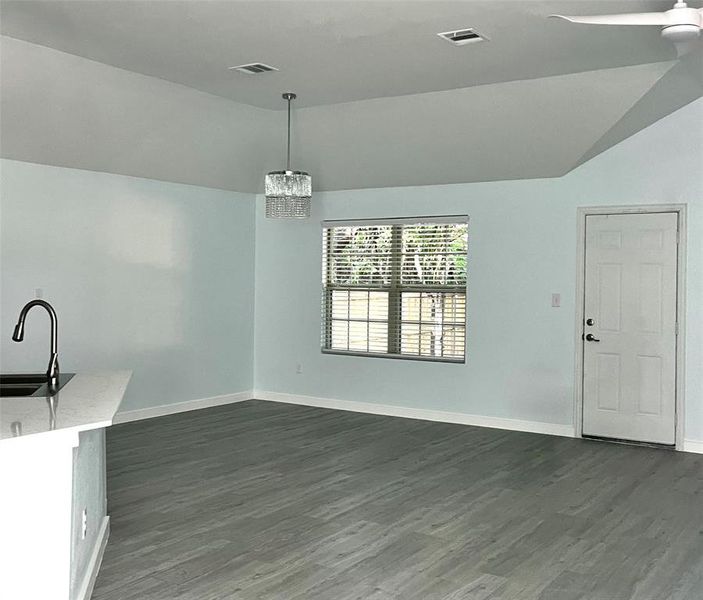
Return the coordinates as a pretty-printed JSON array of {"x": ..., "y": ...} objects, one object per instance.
[{"x": 582, "y": 213}]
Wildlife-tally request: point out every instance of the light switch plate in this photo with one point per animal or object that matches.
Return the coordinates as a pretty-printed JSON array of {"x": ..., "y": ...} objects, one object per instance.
[{"x": 556, "y": 300}]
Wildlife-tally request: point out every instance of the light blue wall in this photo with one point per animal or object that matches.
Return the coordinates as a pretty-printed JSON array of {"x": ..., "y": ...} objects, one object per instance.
[
  {"x": 522, "y": 244},
  {"x": 159, "y": 278},
  {"x": 145, "y": 275}
]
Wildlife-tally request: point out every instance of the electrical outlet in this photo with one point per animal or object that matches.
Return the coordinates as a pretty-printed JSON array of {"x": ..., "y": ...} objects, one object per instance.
[
  {"x": 298, "y": 369},
  {"x": 84, "y": 523}
]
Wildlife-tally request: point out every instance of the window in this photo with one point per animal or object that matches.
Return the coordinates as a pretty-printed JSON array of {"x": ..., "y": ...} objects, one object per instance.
[{"x": 395, "y": 287}]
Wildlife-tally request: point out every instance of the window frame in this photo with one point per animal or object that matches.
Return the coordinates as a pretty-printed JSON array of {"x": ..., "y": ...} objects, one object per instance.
[{"x": 395, "y": 290}]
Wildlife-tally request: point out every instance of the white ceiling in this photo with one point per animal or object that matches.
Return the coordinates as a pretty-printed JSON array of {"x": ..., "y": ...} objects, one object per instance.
[
  {"x": 64, "y": 110},
  {"x": 336, "y": 51},
  {"x": 515, "y": 130},
  {"x": 383, "y": 101}
]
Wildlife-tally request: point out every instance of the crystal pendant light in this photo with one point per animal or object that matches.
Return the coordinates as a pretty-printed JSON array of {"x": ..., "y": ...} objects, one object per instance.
[{"x": 288, "y": 192}]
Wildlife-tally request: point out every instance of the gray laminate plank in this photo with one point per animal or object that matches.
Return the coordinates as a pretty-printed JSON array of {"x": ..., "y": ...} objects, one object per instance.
[{"x": 264, "y": 501}]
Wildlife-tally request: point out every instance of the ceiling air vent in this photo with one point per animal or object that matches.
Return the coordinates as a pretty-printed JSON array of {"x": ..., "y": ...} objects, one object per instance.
[
  {"x": 462, "y": 37},
  {"x": 254, "y": 68}
]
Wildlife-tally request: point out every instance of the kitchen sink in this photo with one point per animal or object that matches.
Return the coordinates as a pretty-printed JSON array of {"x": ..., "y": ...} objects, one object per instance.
[{"x": 29, "y": 384}]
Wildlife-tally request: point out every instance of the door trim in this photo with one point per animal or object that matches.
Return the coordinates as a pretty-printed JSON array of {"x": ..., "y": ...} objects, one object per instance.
[{"x": 582, "y": 213}]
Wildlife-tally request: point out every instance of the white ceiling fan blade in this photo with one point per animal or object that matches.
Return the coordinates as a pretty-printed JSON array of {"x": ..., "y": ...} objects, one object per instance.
[{"x": 622, "y": 19}]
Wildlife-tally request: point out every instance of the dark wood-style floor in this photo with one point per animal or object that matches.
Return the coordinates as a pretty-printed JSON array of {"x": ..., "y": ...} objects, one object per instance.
[{"x": 269, "y": 501}]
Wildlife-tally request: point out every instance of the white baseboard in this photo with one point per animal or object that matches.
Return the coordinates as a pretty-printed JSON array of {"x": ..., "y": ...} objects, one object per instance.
[
  {"x": 419, "y": 413},
  {"x": 695, "y": 446},
  {"x": 85, "y": 590},
  {"x": 177, "y": 407},
  {"x": 422, "y": 414}
]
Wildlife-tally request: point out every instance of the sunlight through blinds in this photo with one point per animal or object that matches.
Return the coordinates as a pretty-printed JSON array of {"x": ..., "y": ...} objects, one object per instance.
[{"x": 395, "y": 287}]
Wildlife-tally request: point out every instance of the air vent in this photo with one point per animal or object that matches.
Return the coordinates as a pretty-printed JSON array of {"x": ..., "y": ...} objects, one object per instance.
[
  {"x": 462, "y": 37},
  {"x": 254, "y": 68}
]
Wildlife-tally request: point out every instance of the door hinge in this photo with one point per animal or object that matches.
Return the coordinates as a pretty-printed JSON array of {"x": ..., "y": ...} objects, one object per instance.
[
  {"x": 678, "y": 236},
  {"x": 676, "y": 328}
]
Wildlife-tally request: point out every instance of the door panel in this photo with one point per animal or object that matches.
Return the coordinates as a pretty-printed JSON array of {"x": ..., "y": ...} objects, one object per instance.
[
  {"x": 609, "y": 296},
  {"x": 649, "y": 393},
  {"x": 609, "y": 382},
  {"x": 651, "y": 298},
  {"x": 629, "y": 369}
]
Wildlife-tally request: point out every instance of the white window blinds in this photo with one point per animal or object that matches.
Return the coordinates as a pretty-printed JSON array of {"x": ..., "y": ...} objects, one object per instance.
[{"x": 395, "y": 287}]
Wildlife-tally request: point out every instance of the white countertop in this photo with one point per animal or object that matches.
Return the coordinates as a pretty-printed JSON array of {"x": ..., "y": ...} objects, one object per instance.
[{"x": 87, "y": 401}]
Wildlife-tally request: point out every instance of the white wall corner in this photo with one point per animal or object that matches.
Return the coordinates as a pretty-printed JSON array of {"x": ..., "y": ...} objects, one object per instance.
[
  {"x": 419, "y": 413},
  {"x": 695, "y": 446},
  {"x": 178, "y": 407}
]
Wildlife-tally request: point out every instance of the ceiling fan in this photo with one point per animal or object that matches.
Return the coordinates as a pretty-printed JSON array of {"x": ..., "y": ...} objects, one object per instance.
[{"x": 680, "y": 25}]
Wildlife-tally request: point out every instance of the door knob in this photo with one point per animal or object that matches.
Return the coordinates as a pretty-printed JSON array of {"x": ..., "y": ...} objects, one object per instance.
[{"x": 591, "y": 338}]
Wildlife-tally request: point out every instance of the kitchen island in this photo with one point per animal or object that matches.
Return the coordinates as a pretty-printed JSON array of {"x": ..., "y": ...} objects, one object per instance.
[{"x": 53, "y": 519}]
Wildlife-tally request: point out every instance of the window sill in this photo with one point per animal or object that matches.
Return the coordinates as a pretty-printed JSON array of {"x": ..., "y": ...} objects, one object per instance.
[{"x": 439, "y": 359}]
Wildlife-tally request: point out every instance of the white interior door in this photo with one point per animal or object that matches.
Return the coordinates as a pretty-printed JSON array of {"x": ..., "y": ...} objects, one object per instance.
[{"x": 629, "y": 353}]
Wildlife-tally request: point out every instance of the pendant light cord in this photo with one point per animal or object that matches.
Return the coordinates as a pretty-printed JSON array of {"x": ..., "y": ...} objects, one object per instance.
[
  {"x": 288, "y": 148},
  {"x": 288, "y": 96}
]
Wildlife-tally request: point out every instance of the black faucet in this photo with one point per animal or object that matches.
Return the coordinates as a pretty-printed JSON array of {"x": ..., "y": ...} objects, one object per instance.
[{"x": 52, "y": 373}]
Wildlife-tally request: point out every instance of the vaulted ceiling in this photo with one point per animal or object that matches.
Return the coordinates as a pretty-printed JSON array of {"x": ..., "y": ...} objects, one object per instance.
[
  {"x": 336, "y": 51},
  {"x": 382, "y": 100}
]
